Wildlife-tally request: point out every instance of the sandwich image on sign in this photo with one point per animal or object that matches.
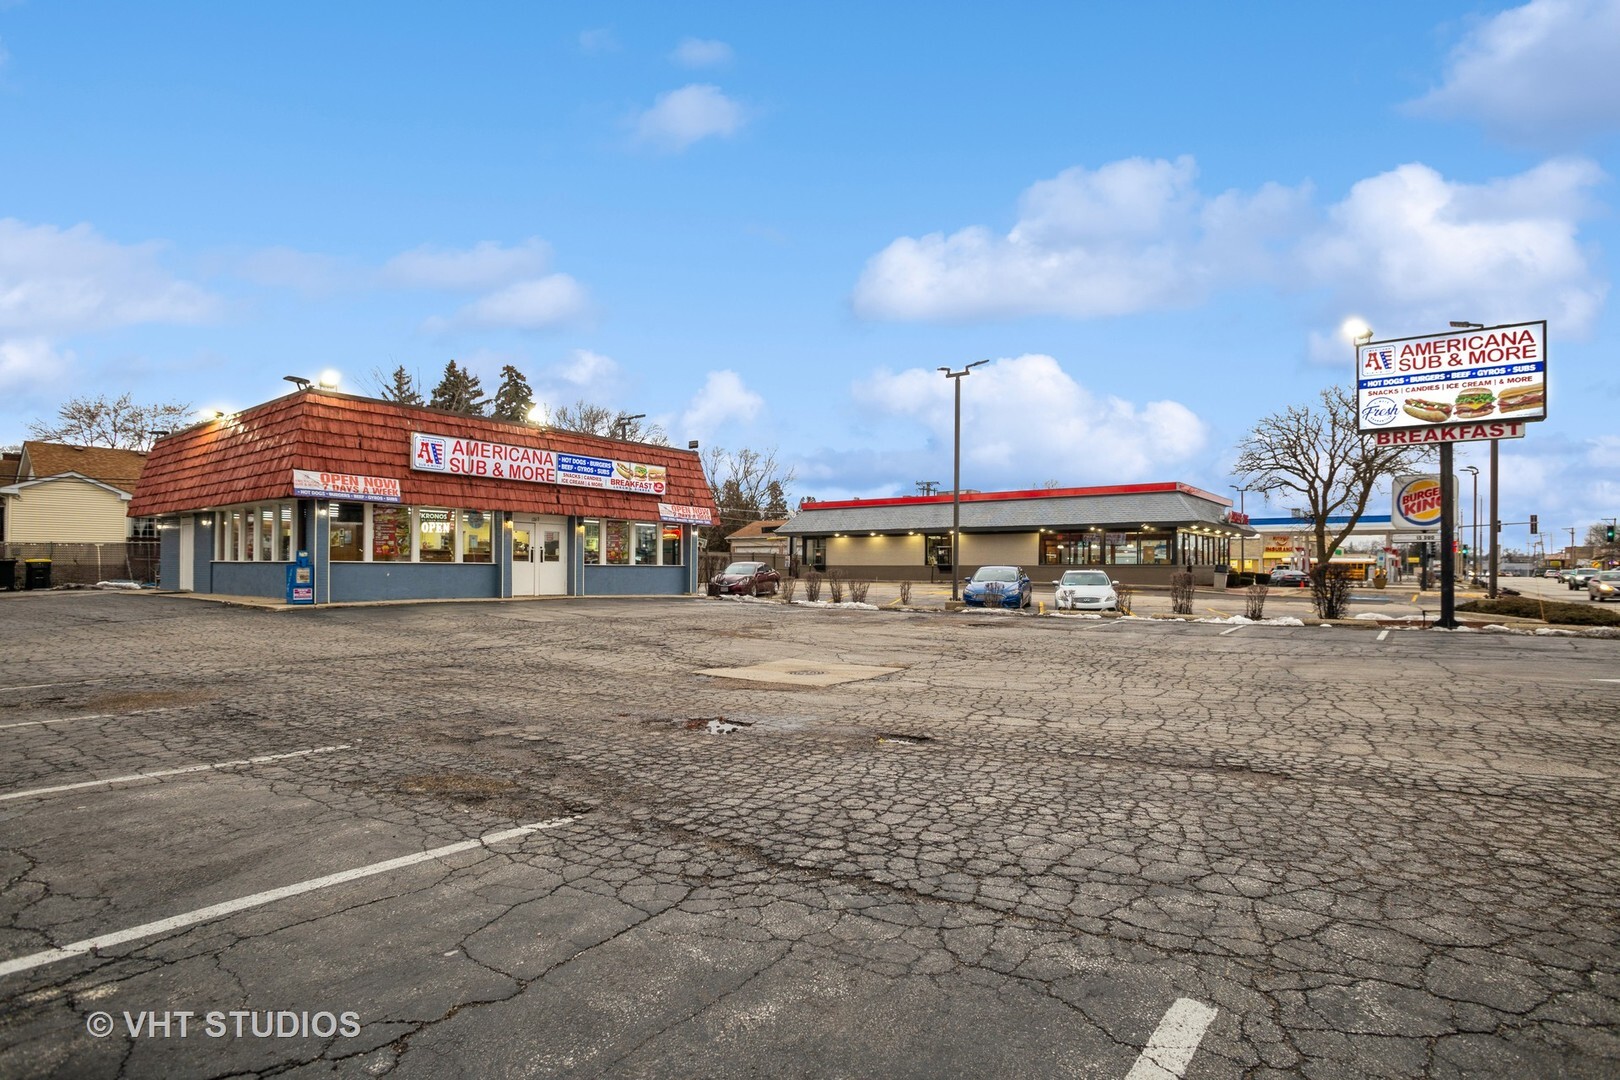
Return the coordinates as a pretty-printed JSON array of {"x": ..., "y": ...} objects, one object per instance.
[
  {"x": 1472, "y": 404},
  {"x": 1523, "y": 397},
  {"x": 1423, "y": 409}
]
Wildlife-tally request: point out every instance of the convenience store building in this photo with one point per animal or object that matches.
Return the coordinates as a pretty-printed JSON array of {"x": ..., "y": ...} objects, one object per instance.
[{"x": 395, "y": 502}]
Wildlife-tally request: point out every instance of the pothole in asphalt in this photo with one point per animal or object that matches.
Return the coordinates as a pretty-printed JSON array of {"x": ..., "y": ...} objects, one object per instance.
[{"x": 904, "y": 740}]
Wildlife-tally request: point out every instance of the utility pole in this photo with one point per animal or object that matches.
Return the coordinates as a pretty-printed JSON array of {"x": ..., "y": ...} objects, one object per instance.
[{"x": 927, "y": 487}]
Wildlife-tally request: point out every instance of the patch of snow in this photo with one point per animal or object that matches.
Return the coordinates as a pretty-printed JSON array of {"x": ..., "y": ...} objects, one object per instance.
[
  {"x": 118, "y": 584},
  {"x": 1374, "y": 616},
  {"x": 1550, "y": 631},
  {"x": 1286, "y": 620},
  {"x": 720, "y": 727}
]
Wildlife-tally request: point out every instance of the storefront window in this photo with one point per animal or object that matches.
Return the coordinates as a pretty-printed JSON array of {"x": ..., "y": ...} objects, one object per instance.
[
  {"x": 346, "y": 527},
  {"x": 475, "y": 532},
  {"x": 267, "y": 533},
  {"x": 436, "y": 535},
  {"x": 1070, "y": 548},
  {"x": 285, "y": 512},
  {"x": 616, "y": 539},
  {"x": 646, "y": 544},
  {"x": 937, "y": 550},
  {"x": 390, "y": 534},
  {"x": 593, "y": 542},
  {"x": 672, "y": 545}
]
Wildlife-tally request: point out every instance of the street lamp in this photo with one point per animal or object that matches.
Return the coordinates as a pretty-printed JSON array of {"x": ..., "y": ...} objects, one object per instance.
[
  {"x": 1457, "y": 324},
  {"x": 1474, "y": 471},
  {"x": 956, "y": 477}
]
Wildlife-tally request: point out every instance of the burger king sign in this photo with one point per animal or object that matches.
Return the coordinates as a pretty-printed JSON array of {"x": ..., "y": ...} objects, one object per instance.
[{"x": 1417, "y": 503}]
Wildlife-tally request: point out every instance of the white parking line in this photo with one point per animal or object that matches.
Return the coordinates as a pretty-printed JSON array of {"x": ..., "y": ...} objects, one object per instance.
[
  {"x": 132, "y": 777},
  {"x": 1382, "y": 634},
  {"x": 230, "y": 907},
  {"x": 1234, "y": 630},
  {"x": 94, "y": 716},
  {"x": 63, "y": 720},
  {"x": 1173, "y": 1042}
]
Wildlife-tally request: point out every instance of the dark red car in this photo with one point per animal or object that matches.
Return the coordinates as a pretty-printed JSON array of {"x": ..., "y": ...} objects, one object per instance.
[{"x": 746, "y": 579}]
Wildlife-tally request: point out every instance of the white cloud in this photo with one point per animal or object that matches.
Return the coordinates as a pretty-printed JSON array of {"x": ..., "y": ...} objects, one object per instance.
[
  {"x": 1541, "y": 74},
  {"x": 483, "y": 266},
  {"x": 682, "y": 117},
  {"x": 1409, "y": 248},
  {"x": 1025, "y": 420},
  {"x": 723, "y": 399},
  {"x": 697, "y": 53},
  {"x": 1133, "y": 235},
  {"x": 71, "y": 280},
  {"x": 598, "y": 40},
  {"x": 32, "y": 364},
  {"x": 587, "y": 368},
  {"x": 310, "y": 273},
  {"x": 526, "y": 305}
]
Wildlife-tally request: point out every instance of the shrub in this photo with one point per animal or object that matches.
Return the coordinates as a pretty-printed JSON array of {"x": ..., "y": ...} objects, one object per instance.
[
  {"x": 789, "y": 587},
  {"x": 835, "y": 586},
  {"x": 1125, "y": 593},
  {"x": 857, "y": 591},
  {"x": 1181, "y": 592},
  {"x": 1254, "y": 602},
  {"x": 1330, "y": 593},
  {"x": 1553, "y": 611},
  {"x": 905, "y": 594},
  {"x": 812, "y": 586}
]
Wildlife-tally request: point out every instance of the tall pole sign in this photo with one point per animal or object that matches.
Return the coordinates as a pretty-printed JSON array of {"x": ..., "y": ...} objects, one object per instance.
[{"x": 1478, "y": 383}]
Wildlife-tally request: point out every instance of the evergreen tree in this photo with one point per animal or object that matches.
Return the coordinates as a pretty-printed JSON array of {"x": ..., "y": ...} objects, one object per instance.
[
  {"x": 513, "y": 397},
  {"x": 399, "y": 387},
  {"x": 459, "y": 391}
]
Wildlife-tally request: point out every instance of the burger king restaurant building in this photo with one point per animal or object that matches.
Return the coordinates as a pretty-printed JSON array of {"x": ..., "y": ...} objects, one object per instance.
[{"x": 318, "y": 497}]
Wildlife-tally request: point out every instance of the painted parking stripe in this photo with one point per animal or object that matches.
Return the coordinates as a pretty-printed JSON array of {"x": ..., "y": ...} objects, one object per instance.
[
  {"x": 1382, "y": 634},
  {"x": 1233, "y": 630},
  {"x": 1171, "y": 1046},
  {"x": 231, "y": 907},
  {"x": 132, "y": 777},
  {"x": 95, "y": 716}
]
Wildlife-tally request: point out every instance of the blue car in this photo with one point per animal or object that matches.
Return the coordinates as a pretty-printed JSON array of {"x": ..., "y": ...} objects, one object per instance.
[{"x": 998, "y": 586}]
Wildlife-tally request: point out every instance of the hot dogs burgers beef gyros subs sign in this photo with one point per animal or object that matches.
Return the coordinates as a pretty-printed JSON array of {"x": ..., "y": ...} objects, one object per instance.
[{"x": 1485, "y": 384}]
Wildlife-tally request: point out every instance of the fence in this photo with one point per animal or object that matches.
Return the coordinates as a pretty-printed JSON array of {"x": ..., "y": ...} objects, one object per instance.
[{"x": 86, "y": 564}]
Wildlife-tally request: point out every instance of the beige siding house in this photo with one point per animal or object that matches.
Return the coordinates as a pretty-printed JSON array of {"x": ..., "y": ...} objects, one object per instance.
[{"x": 71, "y": 495}]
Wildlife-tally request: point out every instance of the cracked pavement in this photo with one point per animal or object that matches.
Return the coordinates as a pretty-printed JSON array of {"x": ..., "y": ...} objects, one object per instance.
[{"x": 1007, "y": 857}]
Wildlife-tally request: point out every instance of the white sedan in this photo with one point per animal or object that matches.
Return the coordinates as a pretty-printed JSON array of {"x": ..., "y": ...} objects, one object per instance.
[{"x": 1086, "y": 590}]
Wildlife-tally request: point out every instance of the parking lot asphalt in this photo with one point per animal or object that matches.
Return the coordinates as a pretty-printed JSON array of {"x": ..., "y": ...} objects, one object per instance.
[{"x": 683, "y": 837}]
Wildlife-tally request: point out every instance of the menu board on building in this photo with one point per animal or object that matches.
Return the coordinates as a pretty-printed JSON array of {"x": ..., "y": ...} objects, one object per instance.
[{"x": 532, "y": 464}]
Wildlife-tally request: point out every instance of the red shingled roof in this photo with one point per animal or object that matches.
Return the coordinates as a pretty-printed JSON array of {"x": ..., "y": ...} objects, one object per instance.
[{"x": 251, "y": 456}]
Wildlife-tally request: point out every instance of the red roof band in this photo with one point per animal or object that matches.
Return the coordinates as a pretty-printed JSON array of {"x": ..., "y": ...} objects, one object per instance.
[
  {"x": 251, "y": 456},
  {"x": 1033, "y": 493}
]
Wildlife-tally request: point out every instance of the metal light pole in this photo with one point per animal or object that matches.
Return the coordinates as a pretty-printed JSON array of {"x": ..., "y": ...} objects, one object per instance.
[
  {"x": 1243, "y": 544},
  {"x": 956, "y": 479},
  {"x": 1473, "y": 470}
]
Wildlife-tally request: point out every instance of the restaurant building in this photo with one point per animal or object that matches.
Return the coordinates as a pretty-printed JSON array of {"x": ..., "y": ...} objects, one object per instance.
[
  {"x": 321, "y": 497},
  {"x": 1139, "y": 533}
]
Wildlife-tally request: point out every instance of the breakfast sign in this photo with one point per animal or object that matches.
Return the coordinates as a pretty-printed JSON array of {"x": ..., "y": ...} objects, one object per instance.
[
  {"x": 532, "y": 464},
  {"x": 1468, "y": 384}
]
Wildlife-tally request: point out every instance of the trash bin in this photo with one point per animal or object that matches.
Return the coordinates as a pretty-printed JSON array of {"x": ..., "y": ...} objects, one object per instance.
[
  {"x": 8, "y": 574},
  {"x": 36, "y": 573}
]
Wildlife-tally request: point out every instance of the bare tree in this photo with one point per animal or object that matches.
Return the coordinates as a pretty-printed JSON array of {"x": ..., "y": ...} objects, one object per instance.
[
  {"x": 1316, "y": 453},
  {"x": 118, "y": 423},
  {"x": 748, "y": 485},
  {"x": 593, "y": 419}
]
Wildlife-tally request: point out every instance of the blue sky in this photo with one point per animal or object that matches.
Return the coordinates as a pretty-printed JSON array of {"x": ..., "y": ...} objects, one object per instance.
[{"x": 767, "y": 227}]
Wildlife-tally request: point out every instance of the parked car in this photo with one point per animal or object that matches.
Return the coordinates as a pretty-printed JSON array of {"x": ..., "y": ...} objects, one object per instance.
[
  {"x": 1288, "y": 578},
  {"x": 1552, "y": 572},
  {"x": 1603, "y": 586},
  {"x": 1002, "y": 586},
  {"x": 1086, "y": 590},
  {"x": 746, "y": 579},
  {"x": 1576, "y": 578}
]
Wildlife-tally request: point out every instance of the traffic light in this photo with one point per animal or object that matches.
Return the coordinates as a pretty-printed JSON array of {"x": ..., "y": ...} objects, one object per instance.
[
  {"x": 1465, "y": 551},
  {"x": 1533, "y": 529},
  {"x": 1608, "y": 534}
]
